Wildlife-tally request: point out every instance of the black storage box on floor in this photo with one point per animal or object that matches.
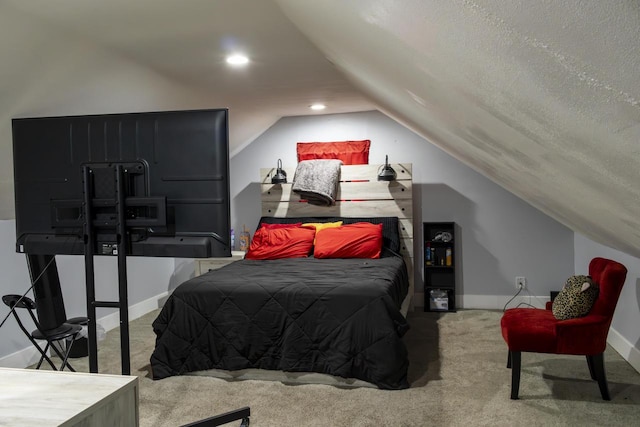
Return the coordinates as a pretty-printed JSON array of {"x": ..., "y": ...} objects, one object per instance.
[{"x": 80, "y": 346}]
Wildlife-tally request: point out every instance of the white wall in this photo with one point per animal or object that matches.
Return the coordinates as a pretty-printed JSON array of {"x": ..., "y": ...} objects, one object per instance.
[
  {"x": 15, "y": 280},
  {"x": 624, "y": 335},
  {"x": 500, "y": 235}
]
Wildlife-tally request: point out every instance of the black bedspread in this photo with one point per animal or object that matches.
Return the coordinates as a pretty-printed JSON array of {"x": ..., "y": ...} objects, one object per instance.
[{"x": 333, "y": 316}]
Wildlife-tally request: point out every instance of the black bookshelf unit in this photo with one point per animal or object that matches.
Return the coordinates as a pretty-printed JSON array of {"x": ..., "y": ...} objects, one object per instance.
[{"x": 439, "y": 264}]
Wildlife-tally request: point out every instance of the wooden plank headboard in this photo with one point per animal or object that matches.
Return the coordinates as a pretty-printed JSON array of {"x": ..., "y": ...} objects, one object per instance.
[{"x": 359, "y": 194}]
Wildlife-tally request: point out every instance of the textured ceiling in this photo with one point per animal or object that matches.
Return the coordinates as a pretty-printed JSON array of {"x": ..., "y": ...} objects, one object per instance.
[{"x": 541, "y": 97}]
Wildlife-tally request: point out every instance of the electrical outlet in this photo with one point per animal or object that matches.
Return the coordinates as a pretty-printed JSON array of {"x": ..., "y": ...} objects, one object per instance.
[{"x": 521, "y": 282}]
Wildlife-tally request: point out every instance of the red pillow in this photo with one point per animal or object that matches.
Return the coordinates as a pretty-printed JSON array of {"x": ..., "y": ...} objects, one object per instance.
[
  {"x": 359, "y": 240},
  {"x": 350, "y": 152},
  {"x": 275, "y": 226},
  {"x": 281, "y": 243}
]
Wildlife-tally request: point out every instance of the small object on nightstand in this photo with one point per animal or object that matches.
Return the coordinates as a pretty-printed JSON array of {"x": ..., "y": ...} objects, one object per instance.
[{"x": 245, "y": 238}]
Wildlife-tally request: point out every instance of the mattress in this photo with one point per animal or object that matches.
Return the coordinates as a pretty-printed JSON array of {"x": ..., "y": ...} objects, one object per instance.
[{"x": 333, "y": 316}]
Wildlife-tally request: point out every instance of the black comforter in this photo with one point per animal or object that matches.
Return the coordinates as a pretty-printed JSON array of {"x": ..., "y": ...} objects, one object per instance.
[{"x": 333, "y": 316}]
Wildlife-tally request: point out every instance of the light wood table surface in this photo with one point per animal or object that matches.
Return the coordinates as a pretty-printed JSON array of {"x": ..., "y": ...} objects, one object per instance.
[{"x": 36, "y": 398}]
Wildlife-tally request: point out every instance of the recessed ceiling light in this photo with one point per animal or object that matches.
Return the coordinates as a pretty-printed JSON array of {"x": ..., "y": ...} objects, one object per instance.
[
  {"x": 318, "y": 107},
  {"x": 237, "y": 59}
]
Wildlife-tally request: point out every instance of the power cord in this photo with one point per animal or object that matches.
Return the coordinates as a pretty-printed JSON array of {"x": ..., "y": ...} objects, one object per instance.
[
  {"x": 44, "y": 270},
  {"x": 523, "y": 303},
  {"x": 512, "y": 298}
]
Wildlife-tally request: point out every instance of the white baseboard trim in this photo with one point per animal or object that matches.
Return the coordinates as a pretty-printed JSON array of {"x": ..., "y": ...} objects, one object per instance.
[
  {"x": 498, "y": 302},
  {"x": 626, "y": 349},
  {"x": 488, "y": 302},
  {"x": 112, "y": 321},
  {"x": 29, "y": 356},
  {"x": 21, "y": 358}
]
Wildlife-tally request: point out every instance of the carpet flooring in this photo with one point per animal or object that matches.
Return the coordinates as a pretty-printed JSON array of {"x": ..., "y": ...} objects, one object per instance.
[{"x": 457, "y": 372}]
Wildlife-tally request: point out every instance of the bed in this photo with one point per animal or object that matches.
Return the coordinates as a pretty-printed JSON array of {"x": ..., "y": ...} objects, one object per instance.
[{"x": 341, "y": 317}]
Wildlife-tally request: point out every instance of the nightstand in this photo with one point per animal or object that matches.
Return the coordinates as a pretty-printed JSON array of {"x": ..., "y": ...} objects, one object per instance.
[{"x": 207, "y": 264}]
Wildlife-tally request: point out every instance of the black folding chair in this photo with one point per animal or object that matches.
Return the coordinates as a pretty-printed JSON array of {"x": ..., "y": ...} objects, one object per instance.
[{"x": 53, "y": 337}]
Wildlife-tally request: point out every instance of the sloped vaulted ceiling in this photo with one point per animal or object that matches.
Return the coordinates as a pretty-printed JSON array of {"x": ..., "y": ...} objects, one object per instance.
[{"x": 542, "y": 97}]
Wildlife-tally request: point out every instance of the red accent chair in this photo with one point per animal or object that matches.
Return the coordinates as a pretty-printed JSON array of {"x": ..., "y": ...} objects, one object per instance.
[{"x": 537, "y": 330}]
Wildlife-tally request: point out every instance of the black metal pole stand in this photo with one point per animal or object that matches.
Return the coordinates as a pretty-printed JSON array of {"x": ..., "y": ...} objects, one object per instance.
[
  {"x": 121, "y": 237},
  {"x": 89, "y": 251}
]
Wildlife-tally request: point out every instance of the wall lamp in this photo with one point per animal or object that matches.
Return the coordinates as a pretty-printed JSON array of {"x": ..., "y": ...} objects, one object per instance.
[
  {"x": 387, "y": 173},
  {"x": 281, "y": 176}
]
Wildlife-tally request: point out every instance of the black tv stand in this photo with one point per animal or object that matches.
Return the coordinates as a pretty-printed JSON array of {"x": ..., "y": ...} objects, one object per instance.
[
  {"x": 171, "y": 198},
  {"x": 120, "y": 250}
]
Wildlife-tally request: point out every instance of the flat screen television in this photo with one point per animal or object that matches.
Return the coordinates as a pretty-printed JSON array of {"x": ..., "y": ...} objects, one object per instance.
[{"x": 171, "y": 169}]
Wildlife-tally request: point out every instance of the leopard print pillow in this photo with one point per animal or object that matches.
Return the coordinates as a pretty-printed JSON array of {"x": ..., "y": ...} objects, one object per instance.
[{"x": 575, "y": 299}]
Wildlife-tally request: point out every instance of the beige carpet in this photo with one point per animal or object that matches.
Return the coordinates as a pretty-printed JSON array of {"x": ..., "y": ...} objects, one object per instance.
[{"x": 458, "y": 377}]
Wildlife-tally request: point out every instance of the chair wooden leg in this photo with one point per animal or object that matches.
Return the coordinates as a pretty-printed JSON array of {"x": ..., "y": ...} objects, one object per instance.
[
  {"x": 509, "y": 359},
  {"x": 597, "y": 364},
  {"x": 590, "y": 364},
  {"x": 515, "y": 358}
]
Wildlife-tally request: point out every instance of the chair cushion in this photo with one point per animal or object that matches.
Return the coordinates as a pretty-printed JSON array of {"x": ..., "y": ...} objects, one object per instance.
[
  {"x": 575, "y": 299},
  {"x": 529, "y": 329}
]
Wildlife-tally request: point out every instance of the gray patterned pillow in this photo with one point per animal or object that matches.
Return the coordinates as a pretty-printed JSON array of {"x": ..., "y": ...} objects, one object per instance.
[{"x": 575, "y": 299}]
